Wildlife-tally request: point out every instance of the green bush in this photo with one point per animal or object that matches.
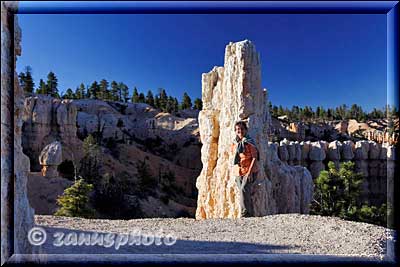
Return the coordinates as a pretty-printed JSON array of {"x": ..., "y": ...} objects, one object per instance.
[
  {"x": 91, "y": 161},
  {"x": 75, "y": 201},
  {"x": 109, "y": 198},
  {"x": 337, "y": 193},
  {"x": 147, "y": 182}
]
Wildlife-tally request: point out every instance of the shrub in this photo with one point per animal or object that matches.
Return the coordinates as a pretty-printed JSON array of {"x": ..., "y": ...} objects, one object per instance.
[
  {"x": 337, "y": 193},
  {"x": 89, "y": 165},
  {"x": 109, "y": 197},
  {"x": 75, "y": 201},
  {"x": 147, "y": 182}
]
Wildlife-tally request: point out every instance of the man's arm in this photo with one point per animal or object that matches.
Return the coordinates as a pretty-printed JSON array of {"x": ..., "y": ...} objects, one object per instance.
[
  {"x": 249, "y": 171},
  {"x": 253, "y": 151}
]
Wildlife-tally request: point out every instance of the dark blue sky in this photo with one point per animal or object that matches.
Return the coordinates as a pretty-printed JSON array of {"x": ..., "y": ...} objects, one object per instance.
[{"x": 306, "y": 59}]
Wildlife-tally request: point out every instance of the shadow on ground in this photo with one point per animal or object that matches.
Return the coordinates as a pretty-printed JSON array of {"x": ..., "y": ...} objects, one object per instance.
[
  {"x": 182, "y": 252},
  {"x": 146, "y": 246}
]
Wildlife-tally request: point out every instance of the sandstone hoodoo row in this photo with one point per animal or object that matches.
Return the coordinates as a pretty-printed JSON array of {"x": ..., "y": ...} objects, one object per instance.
[
  {"x": 229, "y": 94},
  {"x": 374, "y": 160}
]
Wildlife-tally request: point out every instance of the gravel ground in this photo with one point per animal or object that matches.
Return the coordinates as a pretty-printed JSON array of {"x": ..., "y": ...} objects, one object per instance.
[{"x": 276, "y": 234}]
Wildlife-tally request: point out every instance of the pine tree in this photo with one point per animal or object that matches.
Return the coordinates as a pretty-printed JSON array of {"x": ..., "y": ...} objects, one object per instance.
[
  {"x": 198, "y": 104},
  {"x": 295, "y": 113},
  {"x": 135, "y": 95},
  {"x": 150, "y": 98},
  {"x": 157, "y": 102},
  {"x": 281, "y": 112},
  {"x": 22, "y": 79},
  {"x": 91, "y": 159},
  {"x": 75, "y": 201},
  {"x": 275, "y": 111},
  {"x": 308, "y": 112},
  {"x": 169, "y": 107},
  {"x": 93, "y": 90},
  {"x": 176, "y": 104},
  {"x": 337, "y": 193},
  {"x": 114, "y": 91},
  {"x": 124, "y": 92},
  {"x": 147, "y": 182},
  {"x": 52, "y": 85},
  {"x": 42, "y": 89},
  {"x": 141, "y": 99},
  {"x": 26, "y": 80},
  {"x": 329, "y": 114},
  {"x": 69, "y": 94},
  {"x": 102, "y": 93},
  {"x": 186, "y": 101},
  {"x": 80, "y": 92},
  {"x": 163, "y": 99}
]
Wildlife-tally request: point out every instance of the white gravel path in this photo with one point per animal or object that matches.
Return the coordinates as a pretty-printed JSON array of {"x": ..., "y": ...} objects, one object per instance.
[{"x": 283, "y": 233}]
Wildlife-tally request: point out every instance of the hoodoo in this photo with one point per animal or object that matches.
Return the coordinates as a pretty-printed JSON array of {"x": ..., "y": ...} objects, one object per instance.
[{"x": 229, "y": 94}]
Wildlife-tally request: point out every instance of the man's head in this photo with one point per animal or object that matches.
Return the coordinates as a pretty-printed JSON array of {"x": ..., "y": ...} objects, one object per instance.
[{"x": 240, "y": 129}]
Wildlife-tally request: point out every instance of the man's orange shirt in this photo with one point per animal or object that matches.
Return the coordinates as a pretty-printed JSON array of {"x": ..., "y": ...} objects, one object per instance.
[{"x": 250, "y": 152}]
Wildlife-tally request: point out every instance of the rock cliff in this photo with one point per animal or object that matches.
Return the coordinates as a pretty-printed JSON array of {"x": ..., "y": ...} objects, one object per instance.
[
  {"x": 229, "y": 94},
  {"x": 47, "y": 119}
]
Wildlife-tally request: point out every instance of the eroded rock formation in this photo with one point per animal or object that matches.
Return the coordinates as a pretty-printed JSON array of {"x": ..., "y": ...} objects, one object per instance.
[
  {"x": 50, "y": 158},
  {"x": 374, "y": 160},
  {"x": 46, "y": 120},
  {"x": 229, "y": 94}
]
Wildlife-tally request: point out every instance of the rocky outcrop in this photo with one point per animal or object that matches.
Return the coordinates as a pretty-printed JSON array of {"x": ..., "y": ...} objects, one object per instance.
[
  {"x": 374, "y": 160},
  {"x": 50, "y": 158},
  {"x": 17, "y": 219},
  {"x": 229, "y": 94},
  {"x": 47, "y": 120}
]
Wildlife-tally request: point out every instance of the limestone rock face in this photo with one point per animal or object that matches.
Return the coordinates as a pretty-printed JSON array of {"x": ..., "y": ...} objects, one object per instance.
[{"x": 229, "y": 94}]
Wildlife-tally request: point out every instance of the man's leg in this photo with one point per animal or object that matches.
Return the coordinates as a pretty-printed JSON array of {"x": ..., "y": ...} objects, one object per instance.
[
  {"x": 247, "y": 194},
  {"x": 239, "y": 182}
]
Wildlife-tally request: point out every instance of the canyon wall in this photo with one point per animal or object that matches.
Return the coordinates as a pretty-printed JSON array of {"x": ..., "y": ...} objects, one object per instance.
[
  {"x": 229, "y": 94},
  {"x": 49, "y": 119},
  {"x": 128, "y": 132}
]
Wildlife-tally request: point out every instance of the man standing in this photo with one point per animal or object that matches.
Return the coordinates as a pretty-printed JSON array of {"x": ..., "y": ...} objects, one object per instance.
[{"x": 245, "y": 166}]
